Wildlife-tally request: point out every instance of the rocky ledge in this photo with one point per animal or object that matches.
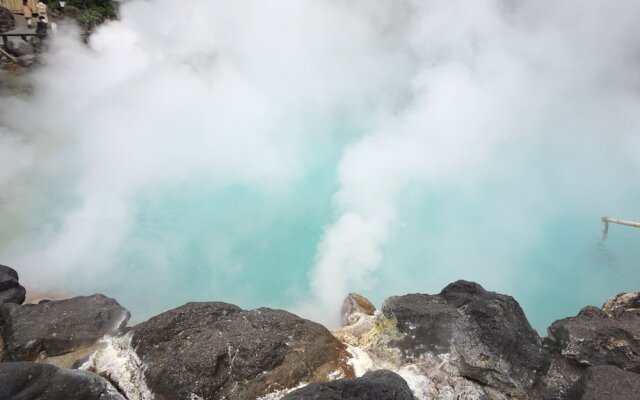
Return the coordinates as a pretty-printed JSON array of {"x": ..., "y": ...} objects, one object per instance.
[{"x": 462, "y": 343}]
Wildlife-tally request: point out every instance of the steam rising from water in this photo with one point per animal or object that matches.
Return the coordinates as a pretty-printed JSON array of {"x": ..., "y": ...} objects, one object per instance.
[{"x": 253, "y": 152}]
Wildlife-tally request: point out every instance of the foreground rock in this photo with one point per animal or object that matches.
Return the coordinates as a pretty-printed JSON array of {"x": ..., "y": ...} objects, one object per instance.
[
  {"x": 219, "y": 351},
  {"x": 487, "y": 334},
  {"x": 30, "y": 381},
  {"x": 375, "y": 385},
  {"x": 606, "y": 382},
  {"x": 57, "y": 327},
  {"x": 10, "y": 290},
  {"x": 602, "y": 336}
]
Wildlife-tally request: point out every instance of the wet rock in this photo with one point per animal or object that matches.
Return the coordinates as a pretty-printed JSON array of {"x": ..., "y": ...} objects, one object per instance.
[
  {"x": 487, "y": 334},
  {"x": 375, "y": 385},
  {"x": 31, "y": 381},
  {"x": 606, "y": 382},
  {"x": 10, "y": 290},
  {"x": 606, "y": 336},
  {"x": 353, "y": 307},
  {"x": 57, "y": 327},
  {"x": 217, "y": 350},
  {"x": 19, "y": 47}
]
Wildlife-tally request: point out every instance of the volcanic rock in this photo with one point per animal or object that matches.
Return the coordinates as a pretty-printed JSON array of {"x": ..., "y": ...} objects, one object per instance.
[
  {"x": 27, "y": 60},
  {"x": 353, "y": 307},
  {"x": 29, "y": 381},
  {"x": 7, "y": 21},
  {"x": 10, "y": 290},
  {"x": 217, "y": 350},
  {"x": 487, "y": 333},
  {"x": 19, "y": 47},
  {"x": 57, "y": 327},
  {"x": 606, "y": 336},
  {"x": 606, "y": 382},
  {"x": 374, "y": 385}
]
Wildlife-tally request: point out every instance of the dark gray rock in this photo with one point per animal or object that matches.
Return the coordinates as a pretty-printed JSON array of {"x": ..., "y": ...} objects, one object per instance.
[
  {"x": 374, "y": 385},
  {"x": 19, "y": 47},
  {"x": 217, "y": 350},
  {"x": 7, "y": 21},
  {"x": 58, "y": 327},
  {"x": 606, "y": 382},
  {"x": 10, "y": 290},
  {"x": 31, "y": 381},
  {"x": 607, "y": 336},
  {"x": 489, "y": 333}
]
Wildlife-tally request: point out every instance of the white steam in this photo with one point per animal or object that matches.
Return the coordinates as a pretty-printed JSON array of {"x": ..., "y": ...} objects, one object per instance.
[{"x": 440, "y": 96}]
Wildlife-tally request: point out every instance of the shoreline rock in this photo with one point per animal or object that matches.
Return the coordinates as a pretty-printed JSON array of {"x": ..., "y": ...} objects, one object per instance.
[{"x": 463, "y": 343}]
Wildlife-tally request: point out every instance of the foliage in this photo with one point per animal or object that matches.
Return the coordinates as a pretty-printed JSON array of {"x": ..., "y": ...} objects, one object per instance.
[{"x": 87, "y": 12}]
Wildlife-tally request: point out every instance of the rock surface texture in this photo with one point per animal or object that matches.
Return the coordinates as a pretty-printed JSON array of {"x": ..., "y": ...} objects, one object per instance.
[
  {"x": 219, "y": 351},
  {"x": 57, "y": 327},
  {"x": 374, "y": 385},
  {"x": 31, "y": 381},
  {"x": 606, "y": 382},
  {"x": 486, "y": 332},
  {"x": 10, "y": 290},
  {"x": 602, "y": 336}
]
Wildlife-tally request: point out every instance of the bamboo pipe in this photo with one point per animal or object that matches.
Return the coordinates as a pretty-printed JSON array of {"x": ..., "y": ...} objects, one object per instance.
[{"x": 608, "y": 220}]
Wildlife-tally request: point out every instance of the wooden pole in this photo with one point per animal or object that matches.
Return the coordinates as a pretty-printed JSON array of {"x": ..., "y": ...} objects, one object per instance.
[
  {"x": 608, "y": 220},
  {"x": 12, "y": 58}
]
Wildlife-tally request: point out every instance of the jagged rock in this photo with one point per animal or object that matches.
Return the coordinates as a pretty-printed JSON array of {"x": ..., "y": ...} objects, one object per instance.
[
  {"x": 7, "y": 21},
  {"x": 353, "y": 307},
  {"x": 10, "y": 290},
  {"x": 19, "y": 47},
  {"x": 27, "y": 61},
  {"x": 57, "y": 327},
  {"x": 487, "y": 333},
  {"x": 562, "y": 375},
  {"x": 375, "y": 385},
  {"x": 607, "y": 336},
  {"x": 31, "y": 381},
  {"x": 606, "y": 382},
  {"x": 217, "y": 350}
]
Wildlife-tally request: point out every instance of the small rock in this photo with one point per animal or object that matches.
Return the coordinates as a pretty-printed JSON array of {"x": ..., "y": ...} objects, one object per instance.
[
  {"x": 10, "y": 290},
  {"x": 487, "y": 332},
  {"x": 606, "y": 382},
  {"x": 27, "y": 60},
  {"x": 58, "y": 327},
  {"x": 31, "y": 381},
  {"x": 601, "y": 336},
  {"x": 19, "y": 47},
  {"x": 218, "y": 351},
  {"x": 374, "y": 385},
  {"x": 353, "y": 307}
]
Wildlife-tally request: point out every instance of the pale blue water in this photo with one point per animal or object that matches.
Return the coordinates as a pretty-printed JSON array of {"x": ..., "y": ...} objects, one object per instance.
[{"x": 195, "y": 241}]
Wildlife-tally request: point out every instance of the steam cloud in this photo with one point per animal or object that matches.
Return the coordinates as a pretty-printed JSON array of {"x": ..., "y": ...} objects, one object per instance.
[{"x": 463, "y": 131}]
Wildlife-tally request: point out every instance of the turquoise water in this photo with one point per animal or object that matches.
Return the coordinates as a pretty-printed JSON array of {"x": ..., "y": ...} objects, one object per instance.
[{"x": 197, "y": 240}]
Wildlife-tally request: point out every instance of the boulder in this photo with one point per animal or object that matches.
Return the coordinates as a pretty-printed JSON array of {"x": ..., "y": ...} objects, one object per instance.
[
  {"x": 31, "y": 381},
  {"x": 374, "y": 385},
  {"x": 353, "y": 307},
  {"x": 19, "y": 47},
  {"x": 601, "y": 336},
  {"x": 58, "y": 327},
  {"x": 7, "y": 21},
  {"x": 10, "y": 290},
  {"x": 606, "y": 382},
  {"x": 218, "y": 351},
  {"x": 487, "y": 333}
]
